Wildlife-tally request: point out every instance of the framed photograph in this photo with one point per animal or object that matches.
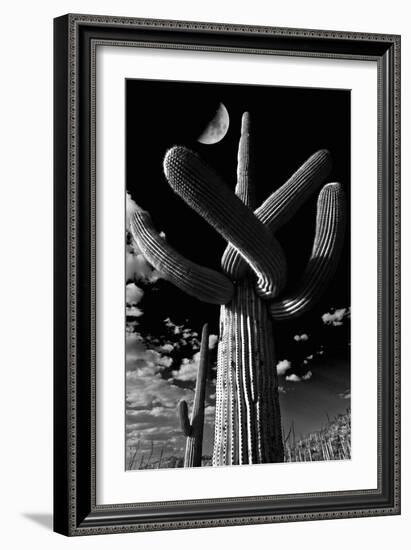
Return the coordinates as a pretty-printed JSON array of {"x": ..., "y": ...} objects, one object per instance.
[{"x": 227, "y": 281}]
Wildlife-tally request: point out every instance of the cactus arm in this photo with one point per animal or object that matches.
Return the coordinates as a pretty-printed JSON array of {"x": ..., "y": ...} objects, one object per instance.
[
  {"x": 245, "y": 188},
  {"x": 329, "y": 237},
  {"x": 201, "y": 282},
  {"x": 282, "y": 205},
  {"x": 204, "y": 191},
  {"x": 184, "y": 420}
]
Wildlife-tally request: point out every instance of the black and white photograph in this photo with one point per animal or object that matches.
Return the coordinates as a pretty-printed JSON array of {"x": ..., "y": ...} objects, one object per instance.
[{"x": 237, "y": 260}]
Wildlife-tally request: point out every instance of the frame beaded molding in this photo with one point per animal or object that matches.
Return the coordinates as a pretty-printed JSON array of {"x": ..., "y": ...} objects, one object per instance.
[
  {"x": 72, "y": 270},
  {"x": 75, "y": 20}
]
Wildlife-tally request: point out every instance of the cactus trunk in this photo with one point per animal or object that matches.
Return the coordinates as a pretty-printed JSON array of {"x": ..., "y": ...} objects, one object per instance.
[{"x": 248, "y": 420}]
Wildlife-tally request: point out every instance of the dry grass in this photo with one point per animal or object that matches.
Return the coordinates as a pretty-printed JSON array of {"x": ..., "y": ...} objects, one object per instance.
[{"x": 332, "y": 442}]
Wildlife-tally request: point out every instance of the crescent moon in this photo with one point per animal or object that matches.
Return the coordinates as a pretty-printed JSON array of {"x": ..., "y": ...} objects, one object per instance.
[{"x": 217, "y": 128}]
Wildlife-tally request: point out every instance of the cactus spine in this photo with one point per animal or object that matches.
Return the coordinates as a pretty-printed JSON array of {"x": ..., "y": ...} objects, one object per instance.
[
  {"x": 194, "y": 430},
  {"x": 248, "y": 420}
]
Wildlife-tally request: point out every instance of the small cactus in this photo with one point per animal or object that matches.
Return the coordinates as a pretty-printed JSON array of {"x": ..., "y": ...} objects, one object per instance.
[{"x": 194, "y": 430}]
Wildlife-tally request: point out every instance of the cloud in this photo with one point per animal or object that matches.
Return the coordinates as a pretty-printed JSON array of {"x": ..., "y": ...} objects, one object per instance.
[
  {"x": 186, "y": 336},
  {"x": 301, "y": 337},
  {"x": 212, "y": 341},
  {"x": 293, "y": 378},
  {"x": 145, "y": 416},
  {"x": 335, "y": 318},
  {"x": 167, "y": 348},
  {"x": 139, "y": 357},
  {"x": 346, "y": 394},
  {"x": 146, "y": 390},
  {"x": 174, "y": 328},
  {"x": 296, "y": 378},
  {"x": 133, "y": 294},
  {"x": 188, "y": 369},
  {"x": 133, "y": 311},
  {"x": 283, "y": 366}
]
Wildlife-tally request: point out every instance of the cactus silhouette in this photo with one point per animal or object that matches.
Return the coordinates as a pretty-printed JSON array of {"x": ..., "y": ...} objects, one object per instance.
[
  {"x": 194, "y": 430},
  {"x": 252, "y": 290}
]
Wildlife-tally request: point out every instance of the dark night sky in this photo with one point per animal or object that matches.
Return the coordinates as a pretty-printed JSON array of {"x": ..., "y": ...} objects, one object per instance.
[{"x": 288, "y": 125}]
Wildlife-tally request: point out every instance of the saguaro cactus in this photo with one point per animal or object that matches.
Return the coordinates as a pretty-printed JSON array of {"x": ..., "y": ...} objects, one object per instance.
[
  {"x": 194, "y": 430},
  {"x": 251, "y": 291}
]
